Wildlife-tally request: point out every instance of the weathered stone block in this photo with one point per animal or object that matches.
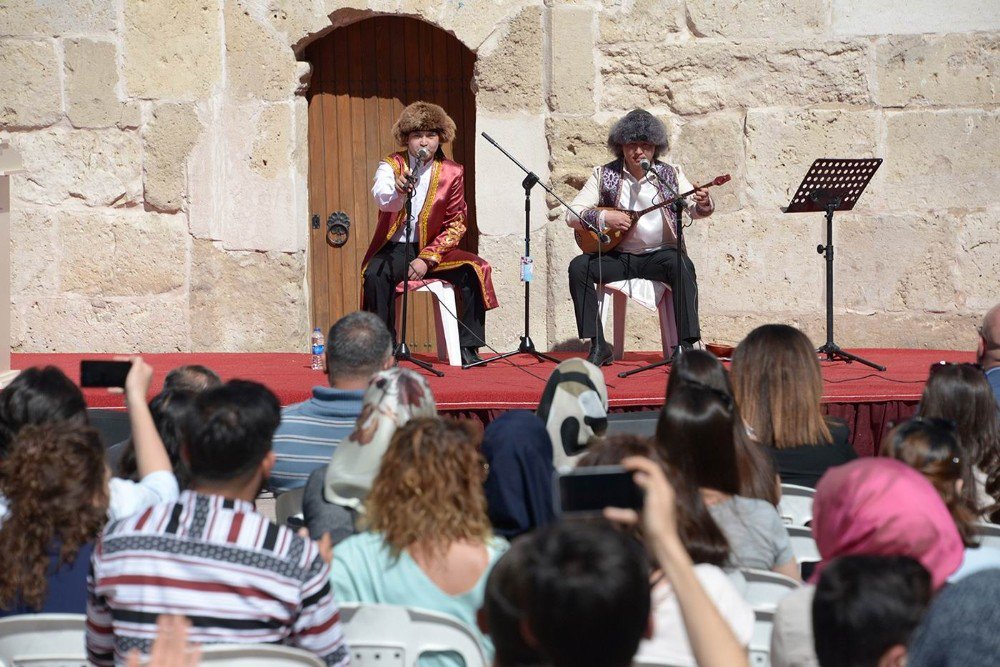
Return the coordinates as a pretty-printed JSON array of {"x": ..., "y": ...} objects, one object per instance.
[
  {"x": 33, "y": 234},
  {"x": 269, "y": 152},
  {"x": 949, "y": 70},
  {"x": 173, "y": 48},
  {"x": 126, "y": 253},
  {"x": 978, "y": 268},
  {"x": 710, "y": 146},
  {"x": 169, "y": 138},
  {"x": 560, "y": 249},
  {"x": 259, "y": 65},
  {"x": 936, "y": 331},
  {"x": 29, "y": 79},
  {"x": 91, "y": 75},
  {"x": 32, "y": 18},
  {"x": 941, "y": 159},
  {"x": 509, "y": 76},
  {"x": 888, "y": 17},
  {"x": 247, "y": 301},
  {"x": 738, "y": 19},
  {"x": 782, "y": 144},
  {"x": 571, "y": 82},
  {"x": 473, "y": 23},
  {"x": 97, "y": 167},
  {"x": 648, "y": 21},
  {"x": 576, "y": 146},
  {"x": 505, "y": 324},
  {"x": 702, "y": 75}
]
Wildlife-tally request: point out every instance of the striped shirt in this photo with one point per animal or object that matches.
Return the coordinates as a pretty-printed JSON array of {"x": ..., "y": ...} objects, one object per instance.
[
  {"x": 309, "y": 433},
  {"x": 238, "y": 577}
]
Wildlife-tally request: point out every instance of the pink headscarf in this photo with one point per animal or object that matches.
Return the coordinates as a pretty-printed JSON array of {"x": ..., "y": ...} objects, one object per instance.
[{"x": 883, "y": 507}]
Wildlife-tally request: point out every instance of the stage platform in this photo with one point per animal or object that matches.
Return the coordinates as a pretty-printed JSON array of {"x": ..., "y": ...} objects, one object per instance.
[{"x": 869, "y": 400}]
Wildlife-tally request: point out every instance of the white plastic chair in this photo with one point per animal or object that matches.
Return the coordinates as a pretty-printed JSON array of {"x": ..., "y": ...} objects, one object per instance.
[
  {"x": 651, "y": 662},
  {"x": 287, "y": 505},
  {"x": 796, "y": 505},
  {"x": 445, "y": 324},
  {"x": 263, "y": 655},
  {"x": 988, "y": 534},
  {"x": 43, "y": 640},
  {"x": 650, "y": 294},
  {"x": 803, "y": 545},
  {"x": 392, "y": 636},
  {"x": 760, "y": 643},
  {"x": 764, "y": 590}
]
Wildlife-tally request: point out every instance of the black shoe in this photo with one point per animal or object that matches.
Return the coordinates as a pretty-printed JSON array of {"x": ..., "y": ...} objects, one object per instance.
[
  {"x": 600, "y": 354},
  {"x": 470, "y": 355}
]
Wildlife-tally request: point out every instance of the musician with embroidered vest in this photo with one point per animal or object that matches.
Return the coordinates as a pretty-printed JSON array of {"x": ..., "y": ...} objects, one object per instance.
[
  {"x": 648, "y": 246},
  {"x": 437, "y": 226}
]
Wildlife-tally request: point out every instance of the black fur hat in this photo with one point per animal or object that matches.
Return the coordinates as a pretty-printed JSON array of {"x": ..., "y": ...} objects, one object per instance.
[{"x": 638, "y": 125}]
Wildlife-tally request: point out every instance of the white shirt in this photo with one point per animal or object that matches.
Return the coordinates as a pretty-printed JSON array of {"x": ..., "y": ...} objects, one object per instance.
[
  {"x": 128, "y": 497},
  {"x": 387, "y": 198}
]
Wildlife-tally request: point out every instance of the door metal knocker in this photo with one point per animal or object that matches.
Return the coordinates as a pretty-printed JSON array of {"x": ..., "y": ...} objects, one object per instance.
[{"x": 338, "y": 229}]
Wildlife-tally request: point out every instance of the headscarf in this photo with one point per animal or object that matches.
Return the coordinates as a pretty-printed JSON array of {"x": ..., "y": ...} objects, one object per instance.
[
  {"x": 393, "y": 398},
  {"x": 883, "y": 507},
  {"x": 960, "y": 628},
  {"x": 574, "y": 407},
  {"x": 518, "y": 487}
]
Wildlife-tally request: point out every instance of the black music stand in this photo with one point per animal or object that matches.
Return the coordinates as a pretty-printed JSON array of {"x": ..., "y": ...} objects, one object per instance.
[{"x": 833, "y": 185}]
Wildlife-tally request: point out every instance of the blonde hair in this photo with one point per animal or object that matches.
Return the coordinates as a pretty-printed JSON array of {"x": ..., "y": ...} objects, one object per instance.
[
  {"x": 779, "y": 387},
  {"x": 429, "y": 488}
]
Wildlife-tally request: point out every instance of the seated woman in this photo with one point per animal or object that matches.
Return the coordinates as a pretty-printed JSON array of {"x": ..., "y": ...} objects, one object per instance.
[
  {"x": 962, "y": 394},
  {"x": 695, "y": 435},
  {"x": 778, "y": 386},
  {"x": 55, "y": 481},
  {"x": 170, "y": 411},
  {"x": 705, "y": 544},
  {"x": 431, "y": 545}
]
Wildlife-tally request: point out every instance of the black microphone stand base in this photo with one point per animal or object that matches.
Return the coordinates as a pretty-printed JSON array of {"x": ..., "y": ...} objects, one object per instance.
[
  {"x": 527, "y": 346},
  {"x": 658, "y": 364},
  {"x": 402, "y": 353},
  {"x": 834, "y": 352}
]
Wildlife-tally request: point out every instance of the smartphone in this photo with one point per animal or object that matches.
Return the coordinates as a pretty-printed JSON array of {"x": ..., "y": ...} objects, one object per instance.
[
  {"x": 590, "y": 490},
  {"x": 95, "y": 373}
]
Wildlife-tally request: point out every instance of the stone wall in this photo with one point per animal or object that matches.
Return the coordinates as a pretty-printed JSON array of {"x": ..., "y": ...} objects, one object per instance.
[{"x": 166, "y": 153}]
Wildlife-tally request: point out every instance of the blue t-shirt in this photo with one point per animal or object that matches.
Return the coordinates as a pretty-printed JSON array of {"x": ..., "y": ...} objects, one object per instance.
[{"x": 67, "y": 585}]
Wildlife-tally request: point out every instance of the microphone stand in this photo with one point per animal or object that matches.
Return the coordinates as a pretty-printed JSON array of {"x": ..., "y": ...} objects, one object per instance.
[{"x": 402, "y": 351}]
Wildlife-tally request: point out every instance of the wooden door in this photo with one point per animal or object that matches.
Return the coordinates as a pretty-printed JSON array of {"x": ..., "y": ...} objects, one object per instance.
[{"x": 363, "y": 76}]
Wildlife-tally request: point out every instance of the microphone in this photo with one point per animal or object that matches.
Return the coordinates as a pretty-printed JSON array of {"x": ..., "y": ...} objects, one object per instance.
[
  {"x": 647, "y": 167},
  {"x": 423, "y": 154}
]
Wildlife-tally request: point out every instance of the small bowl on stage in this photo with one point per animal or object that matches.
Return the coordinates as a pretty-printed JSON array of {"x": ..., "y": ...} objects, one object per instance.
[{"x": 721, "y": 350}]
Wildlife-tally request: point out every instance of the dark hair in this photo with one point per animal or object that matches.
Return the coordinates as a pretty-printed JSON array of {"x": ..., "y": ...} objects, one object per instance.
[
  {"x": 54, "y": 480},
  {"x": 695, "y": 435},
  {"x": 171, "y": 414},
  {"x": 505, "y": 601},
  {"x": 864, "y": 605},
  {"x": 756, "y": 470},
  {"x": 357, "y": 345},
  {"x": 38, "y": 396},
  {"x": 962, "y": 394},
  {"x": 579, "y": 577},
  {"x": 930, "y": 446},
  {"x": 230, "y": 429},
  {"x": 193, "y": 377},
  {"x": 699, "y": 533}
]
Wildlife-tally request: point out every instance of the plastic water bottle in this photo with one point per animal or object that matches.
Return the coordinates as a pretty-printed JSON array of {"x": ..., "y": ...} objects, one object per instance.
[{"x": 317, "y": 349}]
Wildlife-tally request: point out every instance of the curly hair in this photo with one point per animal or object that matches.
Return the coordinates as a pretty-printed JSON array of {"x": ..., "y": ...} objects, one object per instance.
[
  {"x": 55, "y": 481},
  {"x": 429, "y": 488}
]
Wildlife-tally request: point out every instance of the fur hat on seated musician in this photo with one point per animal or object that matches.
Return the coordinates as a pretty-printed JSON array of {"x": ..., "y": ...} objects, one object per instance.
[
  {"x": 637, "y": 126},
  {"x": 426, "y": 117}
]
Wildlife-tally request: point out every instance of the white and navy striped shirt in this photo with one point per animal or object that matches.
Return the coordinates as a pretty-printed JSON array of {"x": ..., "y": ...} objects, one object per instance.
[{"x": 238, "y": 577}]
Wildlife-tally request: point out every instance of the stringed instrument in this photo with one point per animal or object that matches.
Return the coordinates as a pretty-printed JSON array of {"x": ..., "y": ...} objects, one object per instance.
[{"x": 589, "y": 241}]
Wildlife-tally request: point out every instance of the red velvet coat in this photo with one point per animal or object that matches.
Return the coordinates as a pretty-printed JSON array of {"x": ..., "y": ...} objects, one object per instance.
[{"x": 440, "y": 225}]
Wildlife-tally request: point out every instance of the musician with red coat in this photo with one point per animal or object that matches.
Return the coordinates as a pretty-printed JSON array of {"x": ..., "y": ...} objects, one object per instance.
[
  {"x": 437, "y": 226},
  {"x": 647, "y": 246}
]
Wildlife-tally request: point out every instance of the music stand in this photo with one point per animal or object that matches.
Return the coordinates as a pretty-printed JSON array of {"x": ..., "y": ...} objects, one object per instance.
[{"x": 833, "y": 185}]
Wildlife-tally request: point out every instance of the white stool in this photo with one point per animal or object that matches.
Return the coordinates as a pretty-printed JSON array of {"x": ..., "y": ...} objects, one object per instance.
[
  {"x": 445, "y": 324},
  {"x": 650, "y": 294}
]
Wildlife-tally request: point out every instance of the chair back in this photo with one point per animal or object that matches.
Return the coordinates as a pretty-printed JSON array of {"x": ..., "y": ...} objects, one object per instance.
[
  {"x": 988, "y": 534},
  {"x": 796, "y": 505},
  {"x": 760, "y": 643},
  {"x": 271, "y": 655},
  {"x": 393, "y": 636},
  {"x": 764, "y": 590},
  {"x": 43, "y": 640},
  {"x": 803, "y": 544},
  {"x": 652, "y": 662}
]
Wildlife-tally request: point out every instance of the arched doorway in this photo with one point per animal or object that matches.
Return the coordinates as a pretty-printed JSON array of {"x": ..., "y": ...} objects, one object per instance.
[{"x": 363, "y": 76}]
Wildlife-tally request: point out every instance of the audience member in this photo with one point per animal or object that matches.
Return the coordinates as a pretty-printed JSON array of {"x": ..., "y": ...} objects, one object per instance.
[
  {"x": 574, "y": 407},
  {"x": 503, "y": 615},
  {"x": 518, "y": 486},
  {"x": 704, "y": 543},
  {"x": 334, "y": 496},
  {"x": 960, "y": 628},
  {"x": 988, "y": 351},
  {"x": 757, "y": 476},
  {"x": 431, "y": 544},
  {"x": 695, "y": 434},
  {"x": 930, "y": 446},
  {"x": 875, "y": 507},
  {"x": 778, "y": 386},
  {"x": 58, "y": 493},
  {"x": 960, "y": 393},
  {"x": 280, "y": 591},
  {"x": 169, "y": 410},
  {"x": 866, "y": 608},
  {"x": 357, "y": 346},
  {"x": 38, "y": 395}
]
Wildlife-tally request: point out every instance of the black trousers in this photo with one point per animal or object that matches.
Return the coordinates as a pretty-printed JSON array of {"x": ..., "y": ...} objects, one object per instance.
[
  {"x": 585, "y": 270},
  {"x": 386, "y": 270}
]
